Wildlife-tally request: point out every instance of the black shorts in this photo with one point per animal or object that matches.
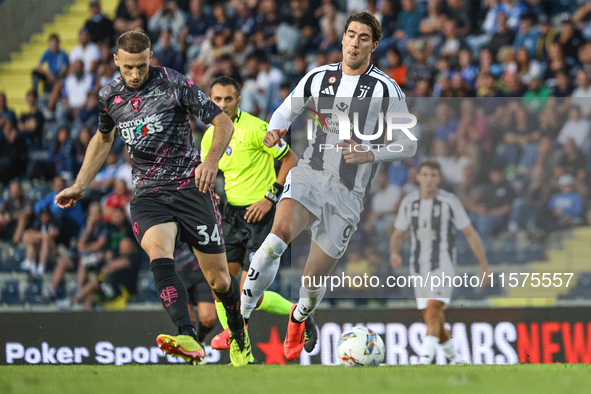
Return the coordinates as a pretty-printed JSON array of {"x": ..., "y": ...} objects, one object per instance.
[
  {"x": 196, "y": 213},
  {"x": 242, "y": 238},
  {"x": 197, "y": 287}
]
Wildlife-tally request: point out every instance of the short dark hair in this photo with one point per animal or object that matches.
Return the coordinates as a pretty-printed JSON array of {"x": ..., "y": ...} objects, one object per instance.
[
  {"x": 134, "y": 41},
  {"x": 367, "y": 19},
  {"x": 54, "y": 37},
  {"x": 225, "y": 81},
  {"x": 430, "y": 163}
]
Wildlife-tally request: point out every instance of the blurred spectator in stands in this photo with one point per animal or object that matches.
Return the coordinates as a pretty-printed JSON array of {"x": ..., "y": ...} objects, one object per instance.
[
  {"x": 267, "y": 22},
  {"x": 197, "y": 25},
  {"x": 82, "y": 142},
  {"x": 77, "y": 86},
  {"x": 31, "y": 123},
  {"x": 13, "y": 152},
  {"x": 570, "y": 38},
  {"x": 503, "y": 35},
  {"x": 492, "y": 206},
  {"x": 577, "y": 128},
  {"x": 526, "y": 209},
  {"x": 225, "y": 66},
  {"x": 86, "y": 51},
  {"x": 582, "y": 94},
  {"x": 41, "y": 241},
  {"x": 407, "y": 23},
  {"x": 169, "y": 17},
  {"x": 118, "y": 198},
  {"x": 455, "y": 162},
  {"x": 527, "y": 68},
  {"x": 447, "y": 124},
  {"x": 527, "y": 36},
  {"x": 567, "y": 206},
  {"x": 63, "y": 154},
  {"x": 468, "y": 71},
  {"x": 356, "y": 265},
  {"x": 221, "y": 22},
  {"x": 519, "y": 146},
  {"x": 563, "y": 86},
  {"x": 384, "y": 205},
  {"x": 458, "y": 11},
  {"x": 5, "y": 112},
  {"x": 244, "y": 19},
  {"x": 89, "y": 113},
  {"x": 332, "y": 18},
  {"x": 545, "y": 39},
  {"x": 262, "y": 92},
  {"x": 473, "y": 126},
  {"x": 119, "y": 228},
  {"x": 106, "y": 73},
  {"x": 419, "y": 69},
  {"x": 167, "y": 54},
  {"x": 556, "y": 63},
  {"x": 537, "y": 94},
  {"x": 432, "y": 24},
  {"x": 57, "y": 68},
  {"x": 124, "y": 171},
  {"x": 411, "y": 185},
  {"x": 118, "y": 277},
  {"x": 15, "y": 213},
  {"x": 105, "y": 179},
  {"x": 396, "y": 69},
  {"x": 130, "y": 17},
  {"x": 100, "y": 28},
  {"x": 331, "y": 41},
  {"x": 92, "y": 242},
  {"x": 581, "y": 19},
  {"x": 69, "y": 220},
  {"x": 301, "y": 17},
  {"x": 514, "y": 10},
  {"x": 572, "y": 161}
]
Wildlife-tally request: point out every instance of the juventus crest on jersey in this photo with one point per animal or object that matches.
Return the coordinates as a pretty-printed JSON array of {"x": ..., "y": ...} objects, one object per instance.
[
  {"x": 432, "y": 225},
  {"x": 364, "y": 98}
]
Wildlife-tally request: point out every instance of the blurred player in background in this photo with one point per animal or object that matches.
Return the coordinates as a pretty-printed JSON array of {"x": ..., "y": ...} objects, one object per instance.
[
  {"x": 198, "y": 290},
  {"x": 432, "y": 214},
  {"x": 326, "y": 190},
  {"x": 172, "y": 187},
  {"x": 252, "y": 188}
]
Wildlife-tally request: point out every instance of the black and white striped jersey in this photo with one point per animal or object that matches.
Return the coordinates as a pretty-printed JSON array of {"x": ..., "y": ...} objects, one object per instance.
[
  {"x": 432, "y": 224},
  {"x": 327, "y": 87}
]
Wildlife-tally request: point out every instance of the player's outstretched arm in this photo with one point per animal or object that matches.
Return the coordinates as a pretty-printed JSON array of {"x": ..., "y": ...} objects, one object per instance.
[
  {"x": 395, "y": 245},
  {"x": 96, "y": 153},
  {"x": 475, "y": 243},
  {"x": 222, "y": 134}
]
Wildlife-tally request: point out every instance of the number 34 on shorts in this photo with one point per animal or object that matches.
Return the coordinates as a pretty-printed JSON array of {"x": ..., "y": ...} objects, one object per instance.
[{"x": 212, "y": 236}]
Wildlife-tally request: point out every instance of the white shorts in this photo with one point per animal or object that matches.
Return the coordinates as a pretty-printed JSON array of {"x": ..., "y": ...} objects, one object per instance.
[
  {"x": 336, "y": 208},
  {"x": 439, "y": 293}
]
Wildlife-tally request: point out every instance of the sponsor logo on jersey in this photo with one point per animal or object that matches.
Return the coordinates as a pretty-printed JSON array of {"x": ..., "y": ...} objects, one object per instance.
[
  {"x": 329, "y": 91},
  {"x": 140, "y": 127},
  {"x": 332, "y": 80},
  {"x": 118, "y": 100}
]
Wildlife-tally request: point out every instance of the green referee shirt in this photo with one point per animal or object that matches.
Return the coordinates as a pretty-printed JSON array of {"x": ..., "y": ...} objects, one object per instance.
[{"x": 248, "y": 165}]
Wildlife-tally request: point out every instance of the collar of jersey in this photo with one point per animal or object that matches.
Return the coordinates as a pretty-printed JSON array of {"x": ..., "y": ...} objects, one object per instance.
[
  {"x": 238, "y": 114},
  {"x": 371, "y": 66}
]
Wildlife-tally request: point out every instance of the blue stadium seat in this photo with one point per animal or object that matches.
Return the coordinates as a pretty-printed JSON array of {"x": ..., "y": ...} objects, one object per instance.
[
  {"x": 34, "y": 292},
  {"x": 10, "y": 293}
]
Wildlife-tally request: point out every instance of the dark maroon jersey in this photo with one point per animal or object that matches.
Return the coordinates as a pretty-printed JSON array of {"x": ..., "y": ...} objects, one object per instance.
[{"x": 154, "y": 123}]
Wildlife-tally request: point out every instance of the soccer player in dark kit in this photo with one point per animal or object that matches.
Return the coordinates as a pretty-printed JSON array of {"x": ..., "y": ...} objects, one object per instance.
[{"x": 172, "y": 188}]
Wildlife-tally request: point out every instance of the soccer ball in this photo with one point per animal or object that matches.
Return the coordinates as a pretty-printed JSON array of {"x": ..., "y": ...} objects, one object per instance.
[{"x": 360, "y": 347}]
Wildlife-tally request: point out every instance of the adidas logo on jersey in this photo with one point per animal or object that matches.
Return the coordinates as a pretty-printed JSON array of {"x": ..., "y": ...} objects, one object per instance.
[{"x": 329, "y": 90}]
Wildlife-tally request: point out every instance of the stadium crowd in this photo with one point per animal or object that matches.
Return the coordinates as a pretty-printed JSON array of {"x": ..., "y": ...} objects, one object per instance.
[{"x": 501, "y": 89}]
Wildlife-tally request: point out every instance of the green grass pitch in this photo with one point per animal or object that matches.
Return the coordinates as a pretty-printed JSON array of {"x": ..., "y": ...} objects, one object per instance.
[{"x": 261, "y": 379}]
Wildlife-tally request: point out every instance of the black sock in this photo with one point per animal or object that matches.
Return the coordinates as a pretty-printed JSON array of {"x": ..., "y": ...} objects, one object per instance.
[
  {"x": 172, "y": 292},
  {"x": 189, "y": 330},
  {"x": 203, "y": 331},
  {"x": 231, "y": 302},
  {"x": 246, "y": 321}
]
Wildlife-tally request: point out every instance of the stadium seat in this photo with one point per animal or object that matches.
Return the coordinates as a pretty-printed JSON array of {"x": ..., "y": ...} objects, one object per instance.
[{"x": 10, "y": 293}]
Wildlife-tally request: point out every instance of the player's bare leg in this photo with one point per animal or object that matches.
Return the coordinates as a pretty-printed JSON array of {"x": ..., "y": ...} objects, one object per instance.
[
  {"x": 318, "y": 265},
  {"x": 434, "y": 318},
  {"x": 227, "y": 290},
  {"x": 159, "y": 242}
]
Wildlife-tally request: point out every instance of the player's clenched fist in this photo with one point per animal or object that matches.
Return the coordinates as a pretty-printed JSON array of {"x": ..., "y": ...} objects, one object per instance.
[
  {"x": 67, "y": 198},
  {"x": 395, "y": 260},
  {"x": 274, "y": 137},
  {"x": 353, "y": 154},
  {"x": 205, "y": 174}
]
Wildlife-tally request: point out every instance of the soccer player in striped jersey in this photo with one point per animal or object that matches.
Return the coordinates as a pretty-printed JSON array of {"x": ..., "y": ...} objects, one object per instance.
[
  {"x": 325, "y": 191},
  {"x": 432, "y": 216}
]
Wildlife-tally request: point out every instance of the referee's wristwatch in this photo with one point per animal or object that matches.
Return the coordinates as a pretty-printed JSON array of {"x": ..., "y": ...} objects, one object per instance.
[{"x": 275, "y": 191}]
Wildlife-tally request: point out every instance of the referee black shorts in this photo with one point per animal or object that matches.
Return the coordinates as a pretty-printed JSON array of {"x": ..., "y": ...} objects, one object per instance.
[
  {"x": 196, "y": 213},
  {"x": 197, "y": 287},
  {"x": 242, "y": 238}
]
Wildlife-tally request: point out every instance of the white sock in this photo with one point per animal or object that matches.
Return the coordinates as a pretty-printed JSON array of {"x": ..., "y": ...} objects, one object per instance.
[
  {"x": 309, "y": 300},
  {"x": 40, "y": 270},
  {"x": 262, "y": 272},
  {"x": 428, "y": 349},
  {"x": 450, "y": 351}
]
